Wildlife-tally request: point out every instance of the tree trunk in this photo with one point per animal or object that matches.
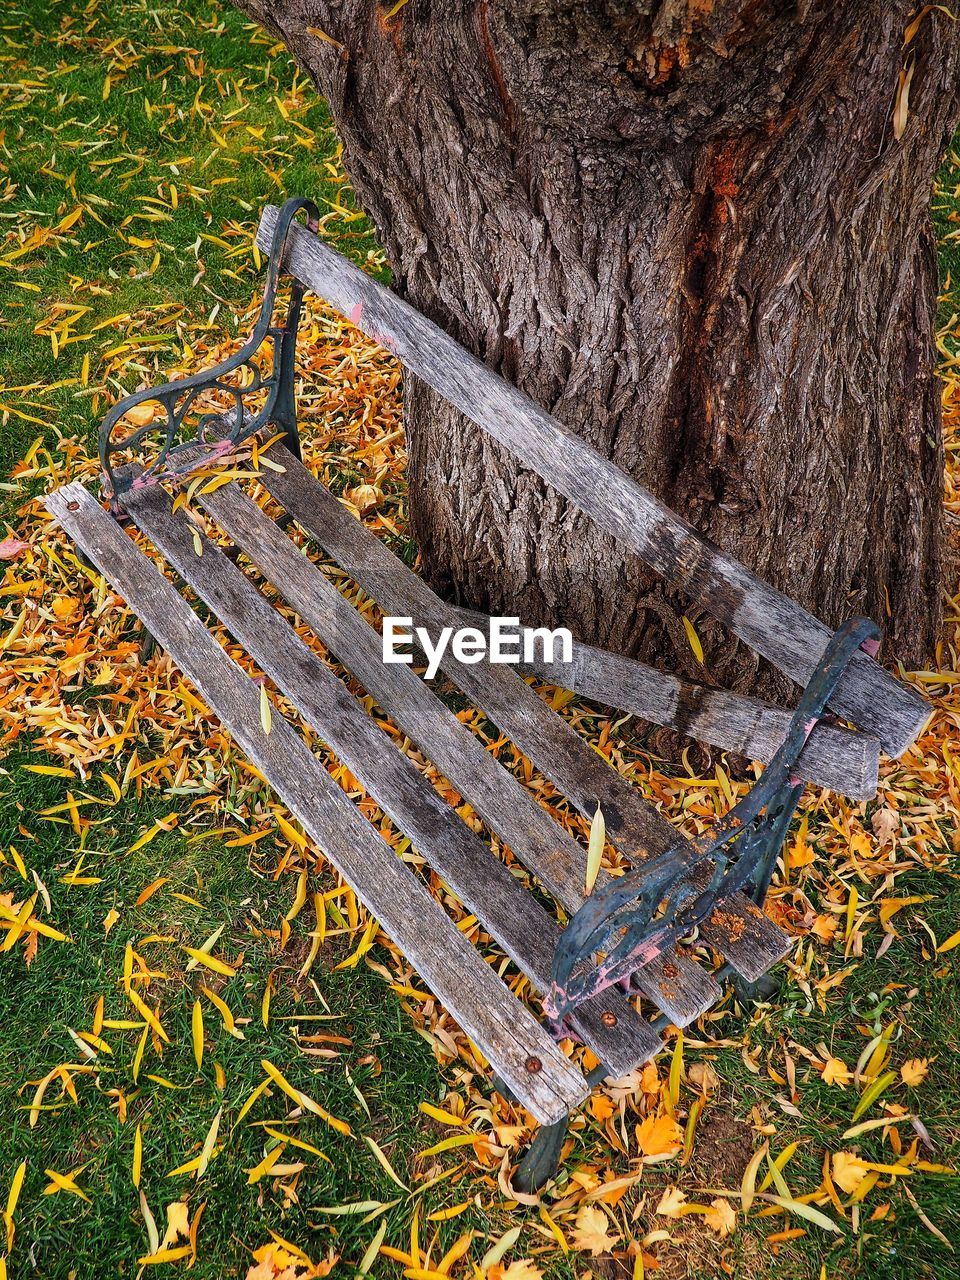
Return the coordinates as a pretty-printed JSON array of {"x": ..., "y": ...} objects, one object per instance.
[{"x": 696, "y": 232}]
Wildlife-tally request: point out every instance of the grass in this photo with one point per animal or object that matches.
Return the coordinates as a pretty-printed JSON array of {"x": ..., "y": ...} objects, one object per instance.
[
  {"x": 173, "y": 1101},
  {"x": 374, "y": 1083},
  {"x": 167, "y": 127}
]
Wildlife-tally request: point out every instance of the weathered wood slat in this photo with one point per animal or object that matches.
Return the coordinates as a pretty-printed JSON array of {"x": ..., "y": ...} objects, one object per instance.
[
  {"x": 682, "y": 990},
  {"x": 558, "y": 751},
  {"x": 842, "y": 759},
  {"x": 746, "y": 933},
  {"x": 500, "y": 800},
  {"x": 481, "y": 881},
  {"x": 507, "y": 1031},
  {"x": 764, "y": 618}
]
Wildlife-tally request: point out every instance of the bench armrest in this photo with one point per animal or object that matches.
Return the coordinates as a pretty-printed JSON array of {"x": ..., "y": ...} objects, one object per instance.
[
  {"x": 620, "y": 921},
  {"x": 176, "y": 451}
]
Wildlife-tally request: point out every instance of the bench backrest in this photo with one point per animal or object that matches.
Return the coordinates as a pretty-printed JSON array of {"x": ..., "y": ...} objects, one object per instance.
[{"x": 771, "y": 623}]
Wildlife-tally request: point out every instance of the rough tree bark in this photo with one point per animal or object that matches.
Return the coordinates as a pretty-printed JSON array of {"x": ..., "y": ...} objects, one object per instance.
[{"x": 695, "y": 230}]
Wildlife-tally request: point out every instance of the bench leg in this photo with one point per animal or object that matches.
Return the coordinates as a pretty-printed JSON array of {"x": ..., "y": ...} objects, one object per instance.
[
  {"x": 542, "y": 1160},
  {"x": 148, "y": 644},
  {"x": 539, "y": 1166},
  {"x": 758, "y": 992}
]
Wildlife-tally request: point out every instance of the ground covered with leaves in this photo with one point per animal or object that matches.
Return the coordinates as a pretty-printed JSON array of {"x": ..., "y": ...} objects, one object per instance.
[{"x": 211, "y": 1059}]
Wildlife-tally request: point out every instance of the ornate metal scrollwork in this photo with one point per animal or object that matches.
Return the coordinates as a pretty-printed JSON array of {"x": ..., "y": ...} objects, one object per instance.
[
  {"x": 217, "y": 431},
  {"x": 636, "y": 917}
]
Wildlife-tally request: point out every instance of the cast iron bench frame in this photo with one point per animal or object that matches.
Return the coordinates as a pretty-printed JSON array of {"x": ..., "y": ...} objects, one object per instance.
[{"x": 636, "y": 933}]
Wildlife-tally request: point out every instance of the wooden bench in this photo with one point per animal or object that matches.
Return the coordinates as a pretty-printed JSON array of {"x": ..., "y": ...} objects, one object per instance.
[{"x": 629, "y": 962}]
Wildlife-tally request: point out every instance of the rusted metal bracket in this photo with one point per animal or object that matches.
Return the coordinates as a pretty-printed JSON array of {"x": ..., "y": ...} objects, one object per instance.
[
  {"x": 216, "y": 432},
  {"x": 636, "y": 917}
]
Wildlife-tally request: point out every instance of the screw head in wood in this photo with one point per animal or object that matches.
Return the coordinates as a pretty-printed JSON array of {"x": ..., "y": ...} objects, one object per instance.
[
  {"x": 533, "y": 1065},
  {"x": 608, "y": 1018},
  {"x": 73, "y": 506}
]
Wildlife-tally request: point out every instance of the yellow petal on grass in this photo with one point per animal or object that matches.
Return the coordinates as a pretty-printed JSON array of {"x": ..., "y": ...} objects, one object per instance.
[
  {"x": 194, "y": 1229},
  {"x": 137, "y": 1156},
  {"x": 867, "y": 1126},
  {"x": 266, "y": 1164},
  {"x": 501, "y": 1247},
  {"x": 301, "y": 1098},
  {"x": 208, "y": 1144},
  {"x": 151, "y": 888},
  {"x": 598, "y": 837},
  {"x": 225, "y": 1013},
  {"x": 185, "y": 897},
  {"x": 257, "y": 1093},
  {"x": 748, "y": 1184},
  {"x": 20, "y": 921},
  {"x": 299, "y": 898},
  {"x": 558, "y": 1235},
  {"x": 456, "y": 1252},
  {"x": 444, "y": 1215},
  {"x": 150, "y": 834},
  {"x": 807, "y": 1212},
  {"x": 138, "y": 1056},
  {"x": 676, "y": 1072},
  {"x": 290, "y": 832},
  {"x": 385, "y": 1163},
  {"x": 210, "y": 962},
  {"x": 13, "y": 1195},
  {"x": 872, "y": 1093},
  {"x": 874, "y": 1057},
  {"x": 265, "y": 1002},
  {"x": 153, "y": 1235},
  {"x": 372, "y": 1251},
  {"x": 37, "y": 926},
  {"x": 318, "y": 934},
  {"x": 196, "y": 1027},
  {"x": 64, "y": 1182},
  {"x": 295, "y": 1142},
  {"x": 164, "y": 1255},
  {"x": 690, "y": 1132},
  {"x": 448, "y": 1144},
  {"x": 366, "y": 942},
  {"x": 779, "y": 1164},
  {"x": 37, "y": 1102},
  {"x": 206, "y": 947},
  {"x": 147, "y": 1014},
  {"x": 949, "y": 943},
  {"x": 779, "y": 1181},
  {"x": 444, "y": 1117}
]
